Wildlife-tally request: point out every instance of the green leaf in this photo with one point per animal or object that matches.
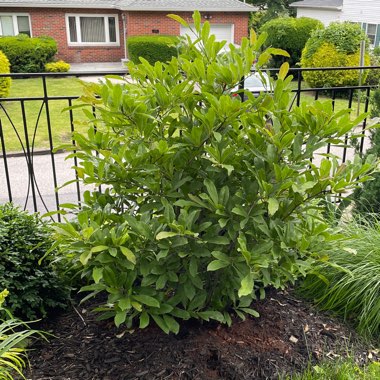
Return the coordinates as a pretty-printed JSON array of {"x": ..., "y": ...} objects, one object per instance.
[
  {"x": 211, "y": 314},
  {"x": 246, "y": 286},
  {"x": 161, "y": 323},
  {"x": 128, "y": 254},
  {"x": 284, "y": 69},
  {"x": 250, "y": 311},
  {"x": 273, "y": 206},
  {"x": 99, "y": 248},
  {"x": 97, "y": 274},
  {"x": 171, "y": 323},
  {"x": 144, "y": 320},
  {"x": 211, "y": 189},
  {"x": 216, "y": 265},
  {"x": 124, "y": 303},
  {"x": 146, "y": 300},
  {"x": 166, "y": 234},
  {"x": 120, "y": 317},
  {"x": 178, "y": 19}
]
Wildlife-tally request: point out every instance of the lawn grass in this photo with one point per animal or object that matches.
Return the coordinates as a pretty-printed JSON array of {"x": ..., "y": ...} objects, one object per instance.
[{"x": 60, "y": 121}]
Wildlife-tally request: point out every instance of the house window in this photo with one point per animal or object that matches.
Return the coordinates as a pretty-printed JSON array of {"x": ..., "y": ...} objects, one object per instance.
[
  {"x": 14, "y": 24},
  {"x": 92, "y": 29},
  {"x": 371, "y": 33}
]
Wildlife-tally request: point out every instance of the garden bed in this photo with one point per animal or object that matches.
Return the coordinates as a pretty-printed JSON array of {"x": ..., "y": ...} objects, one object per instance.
[{"x": 283, "y": 340}]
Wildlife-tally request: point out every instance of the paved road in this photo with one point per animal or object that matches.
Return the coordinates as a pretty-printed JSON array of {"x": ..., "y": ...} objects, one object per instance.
[{"x": 43, "y": 171}]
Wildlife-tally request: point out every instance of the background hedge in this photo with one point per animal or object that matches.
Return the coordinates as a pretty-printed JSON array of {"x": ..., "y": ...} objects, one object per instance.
[
  {"x": 26, "y": 54},
  {"x": 290, "y": 34},
  {"x": 152, "y": 48},
  {"x": 5, "y": 82},
  {"x": 338, "y": 45}
]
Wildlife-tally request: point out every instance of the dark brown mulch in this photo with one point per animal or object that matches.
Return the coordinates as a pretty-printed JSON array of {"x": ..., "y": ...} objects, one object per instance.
[{"x": 287, "y": 334}]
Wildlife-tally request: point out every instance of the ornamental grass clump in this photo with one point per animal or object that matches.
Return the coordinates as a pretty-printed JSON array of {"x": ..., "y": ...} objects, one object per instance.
[
  {"x": 351, "y": 287},
  {"x": 207, "y": 199}
]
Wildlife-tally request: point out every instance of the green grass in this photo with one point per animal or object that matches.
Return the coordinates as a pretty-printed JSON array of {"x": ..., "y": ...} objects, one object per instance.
[
  {"x": 353, "y": 290},
  {"x": 340, "y": 370},
  {"x": 60, "y": 121}
]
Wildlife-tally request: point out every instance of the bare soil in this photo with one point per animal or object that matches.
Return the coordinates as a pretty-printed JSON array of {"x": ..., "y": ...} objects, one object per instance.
[{"x": 288, "y": 334}]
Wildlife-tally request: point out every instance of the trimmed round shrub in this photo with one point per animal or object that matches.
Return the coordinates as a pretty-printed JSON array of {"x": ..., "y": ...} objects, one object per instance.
[
  {"x": 34, "y": 288},
  {"x": 290, "y": 34},
  {"x": 57, "y": 67},
  {"x": 5, "y": 82},
  {"x": 336, "y": 46},
  {"x": 152, "y": 48},
  {"x": 26, "y": 54}
]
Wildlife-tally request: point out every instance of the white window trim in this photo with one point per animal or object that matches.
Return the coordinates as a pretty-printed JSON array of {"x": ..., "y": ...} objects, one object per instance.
[
  {"x": 366, "y": 31},
  {"x": 14, "y": 20},
  {"x": 105, "y": 16}
]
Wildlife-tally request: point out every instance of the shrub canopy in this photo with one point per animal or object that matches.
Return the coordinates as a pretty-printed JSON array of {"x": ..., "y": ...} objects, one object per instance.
[
  {"x": 207, "y": 199},
  {"x": 5, "y": 82},
  {"x": 152, "y": 48},
  {"x": 26, "y": 54},
  {"x": 338, "y": 45},
  {"x": 290, "y": 34}
]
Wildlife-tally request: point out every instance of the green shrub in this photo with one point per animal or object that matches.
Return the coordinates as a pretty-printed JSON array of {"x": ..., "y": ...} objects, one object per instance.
[
  {"x": 205, "y": 201},
  {"x": 57, "y": 67},
  {"x": 373, "y": 77},
  {"x": 350, "y": 287},
  {"x": 26, "y": 54},
  {"x": 34, "y": 289},
  {"x": 5, "y": 82},
  {"x": 338, "y": 45},
  {"x": 291, "y": 35},
  {"x": 151, "y": 48}
]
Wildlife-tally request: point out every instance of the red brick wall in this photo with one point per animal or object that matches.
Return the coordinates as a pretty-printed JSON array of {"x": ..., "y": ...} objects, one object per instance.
[
  {"x": 51, "y": 22},
  {"x": 141, "y": 23}
]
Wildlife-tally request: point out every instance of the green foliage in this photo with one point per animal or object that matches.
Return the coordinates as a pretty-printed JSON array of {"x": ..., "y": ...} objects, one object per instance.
[
  {"x": 289, "y": 34},
  {"x": 206, "y": 202},
  {"x": 13, "y": 334},
  {"x": 373, "y": 77},
  {"x": 34, "y": 289},
  {"x": 26, "y": 54},
  {"x": 5, "y": 82},
  {"x": 367, "y": 196},
  {"x": 152, "y": 48},
  {"x": 57, "y": 67},
  {"x": 349, "y": 285},
  {"x": 341, "y": 370},
  {"x": 338, "y": 45}
]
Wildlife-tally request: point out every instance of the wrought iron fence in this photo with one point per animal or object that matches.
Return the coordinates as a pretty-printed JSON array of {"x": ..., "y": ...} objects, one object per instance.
[{"x": 32, "y": 171}]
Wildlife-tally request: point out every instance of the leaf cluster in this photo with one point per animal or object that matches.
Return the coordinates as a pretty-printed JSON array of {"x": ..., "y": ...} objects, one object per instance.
[
  {"x": 207, "y": 199},
  {"x": 34, "y": 289}
]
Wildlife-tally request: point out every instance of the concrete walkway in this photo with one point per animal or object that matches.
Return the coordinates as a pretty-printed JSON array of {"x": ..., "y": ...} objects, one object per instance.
[{"x": 101, "y": 67}]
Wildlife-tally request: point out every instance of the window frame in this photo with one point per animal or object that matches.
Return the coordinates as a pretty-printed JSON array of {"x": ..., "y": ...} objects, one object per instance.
[
  {"x": 15, "y": 23},
  {"x": 105, "y": 16},
  {"x": 375, "y": 35}
]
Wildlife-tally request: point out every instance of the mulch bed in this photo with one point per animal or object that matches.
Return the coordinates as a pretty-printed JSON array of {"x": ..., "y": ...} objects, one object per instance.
[{"x": 288, "y": 334}]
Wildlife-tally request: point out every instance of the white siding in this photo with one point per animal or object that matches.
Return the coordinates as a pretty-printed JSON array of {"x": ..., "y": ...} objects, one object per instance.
[
  {"x": 326, "y": 16},
  {"x": 367, "y": 11}
]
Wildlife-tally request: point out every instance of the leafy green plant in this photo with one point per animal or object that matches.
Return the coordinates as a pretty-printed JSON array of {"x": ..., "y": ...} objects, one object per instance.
[
  {"x": 349, "y": 285},
  {"x": 340, "y": 370},
  {"x": 5, "y": 82},
  {"x": 57, "y": 67},
  {"x": 207, "y": 199},
  {"x": 13, "y": 334},
  {"x": 290, "y": 34},
  {"x": 34, "y": 289},
  {"x": 152, "y": 48},
  {"x": 26, "y": 54},
  {"x": 338, "y": 45}
]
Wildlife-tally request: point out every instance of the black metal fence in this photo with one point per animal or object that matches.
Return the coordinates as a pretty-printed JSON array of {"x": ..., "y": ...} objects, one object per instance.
[{"x": 32, "y": 171}]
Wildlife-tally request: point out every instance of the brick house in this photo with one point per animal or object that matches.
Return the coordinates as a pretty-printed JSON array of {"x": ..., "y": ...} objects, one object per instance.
[{"x": 96, "y": 30}]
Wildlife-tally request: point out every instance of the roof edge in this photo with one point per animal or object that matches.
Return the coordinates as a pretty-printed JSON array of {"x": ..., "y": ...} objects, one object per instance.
[{"x": 331, "y": 7}]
